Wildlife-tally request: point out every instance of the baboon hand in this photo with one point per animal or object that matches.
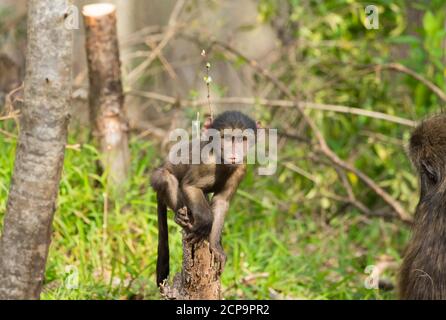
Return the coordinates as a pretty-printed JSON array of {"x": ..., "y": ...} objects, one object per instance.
[{"x": 182, "y": 219}]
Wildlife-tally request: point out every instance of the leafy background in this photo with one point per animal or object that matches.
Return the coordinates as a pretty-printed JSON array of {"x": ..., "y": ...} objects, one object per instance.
[{"x": 287, "y": 235}]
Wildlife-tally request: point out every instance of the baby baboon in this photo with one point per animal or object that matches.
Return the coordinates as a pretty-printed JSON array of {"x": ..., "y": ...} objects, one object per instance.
[
  {"x": 423, "y": 273},
  {"x": 185, "y": 187}
]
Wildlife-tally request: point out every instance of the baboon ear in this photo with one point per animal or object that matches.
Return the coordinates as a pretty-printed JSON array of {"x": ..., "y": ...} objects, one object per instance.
[
  {"x": 207, "y": 123},
  {"x": 429, "y": 171}
]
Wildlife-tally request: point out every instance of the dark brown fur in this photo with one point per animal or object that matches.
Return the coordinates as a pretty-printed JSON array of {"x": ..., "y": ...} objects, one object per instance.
[
  {"x": 185, "y": 188},
  {"x": 423, "y": 273}
]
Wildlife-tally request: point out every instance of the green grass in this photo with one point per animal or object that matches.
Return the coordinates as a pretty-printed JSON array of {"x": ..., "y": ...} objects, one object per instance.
[{"x": 290, "y": 248}]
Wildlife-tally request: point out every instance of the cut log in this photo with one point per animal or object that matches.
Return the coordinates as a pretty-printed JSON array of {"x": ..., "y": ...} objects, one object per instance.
[
  {"x": 200, "y": 275},
  {"x": 106, "y": 98}
]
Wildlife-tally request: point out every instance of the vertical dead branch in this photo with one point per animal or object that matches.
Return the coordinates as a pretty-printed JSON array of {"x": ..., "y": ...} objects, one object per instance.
[
  {"x": 40, "y": 152},
  {"x": 106, "y": 97},
  {"x": 199, "y": 278}
]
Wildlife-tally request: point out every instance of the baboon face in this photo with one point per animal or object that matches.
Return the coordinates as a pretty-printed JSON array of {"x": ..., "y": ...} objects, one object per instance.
[
  {"x": 234, "y": 146},
  {"x": 428, "y": 153}
]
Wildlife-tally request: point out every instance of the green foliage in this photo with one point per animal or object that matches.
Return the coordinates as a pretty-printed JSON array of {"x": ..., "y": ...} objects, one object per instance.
[
  {"x": 286, "y": 234},
  {"x": 114, "y": 250},
  {"x": 333, "y": 60}
]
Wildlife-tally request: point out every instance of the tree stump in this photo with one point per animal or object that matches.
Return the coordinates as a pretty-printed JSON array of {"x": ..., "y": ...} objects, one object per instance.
[
  {"x": 106, "y": 96},
  {"x": 199, "y": 278}
]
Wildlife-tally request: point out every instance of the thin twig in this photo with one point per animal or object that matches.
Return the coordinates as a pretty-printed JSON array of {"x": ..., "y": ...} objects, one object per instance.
[
  {"x": 140, "y": 35},
  {"x": 323, "y": 146},
  {"x": 8, "y": 134},
  {"x": 148, "y": 129},
  {"x": 300, "y": 171},
  {"x": 14, "y": 115},
  {"x": 170, "y": 71},
  {"x": 351, "y": 195},
  {"x": 9, "y": 98},
  {"x": 136, "y": 73},
  {"x": 276, "y": 103},
  {"x": 75, "y": 147},
  {"x": 208, "y": 80},
  {"x": 400, "y": 68}
]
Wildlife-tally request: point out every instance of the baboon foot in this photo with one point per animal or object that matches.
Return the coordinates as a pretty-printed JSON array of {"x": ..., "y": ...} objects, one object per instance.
[
  {"x": 182, "y": 219},
  {"x": 220, "y": 257}
]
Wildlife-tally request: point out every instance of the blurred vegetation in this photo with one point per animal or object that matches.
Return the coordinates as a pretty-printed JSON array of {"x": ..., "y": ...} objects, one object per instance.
[{"x": 287, "y": 235}]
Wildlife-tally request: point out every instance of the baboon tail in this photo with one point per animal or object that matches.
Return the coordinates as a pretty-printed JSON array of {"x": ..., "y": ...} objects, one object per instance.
[
  {"x": 162, "y": 264},
  {"x": 157, "y": 180}
]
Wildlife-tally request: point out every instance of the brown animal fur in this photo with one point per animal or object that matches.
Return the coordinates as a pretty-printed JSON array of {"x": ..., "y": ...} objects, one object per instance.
[
  {"x": 186, "y": 188},
  {"x": 423, "y": 272}
]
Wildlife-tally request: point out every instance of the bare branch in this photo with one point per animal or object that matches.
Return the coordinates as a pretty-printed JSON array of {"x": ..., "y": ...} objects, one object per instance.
[
  {"x": 400, "y": 68},
  {"x": 276, "y": 103},
  {"x": 323, "y": 146},
  {"x": 14, "y": 115},
  {"x": 170, "y": 71},
  {"x": 136, "y": 73}
]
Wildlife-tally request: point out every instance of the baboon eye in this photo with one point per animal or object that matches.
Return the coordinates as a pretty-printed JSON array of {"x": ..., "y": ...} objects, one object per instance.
[{"x": 429, "y": 172}]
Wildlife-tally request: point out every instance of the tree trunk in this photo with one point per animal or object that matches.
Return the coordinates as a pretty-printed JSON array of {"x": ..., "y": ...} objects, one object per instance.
[
  {"x": 40, "y": 152},
  {"x": 199, "y": 278},
  {"x": 106, "y": 97}
]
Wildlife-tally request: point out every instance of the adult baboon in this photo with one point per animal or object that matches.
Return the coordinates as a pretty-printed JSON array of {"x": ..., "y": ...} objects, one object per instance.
[{"x": 423, "y": 273}]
